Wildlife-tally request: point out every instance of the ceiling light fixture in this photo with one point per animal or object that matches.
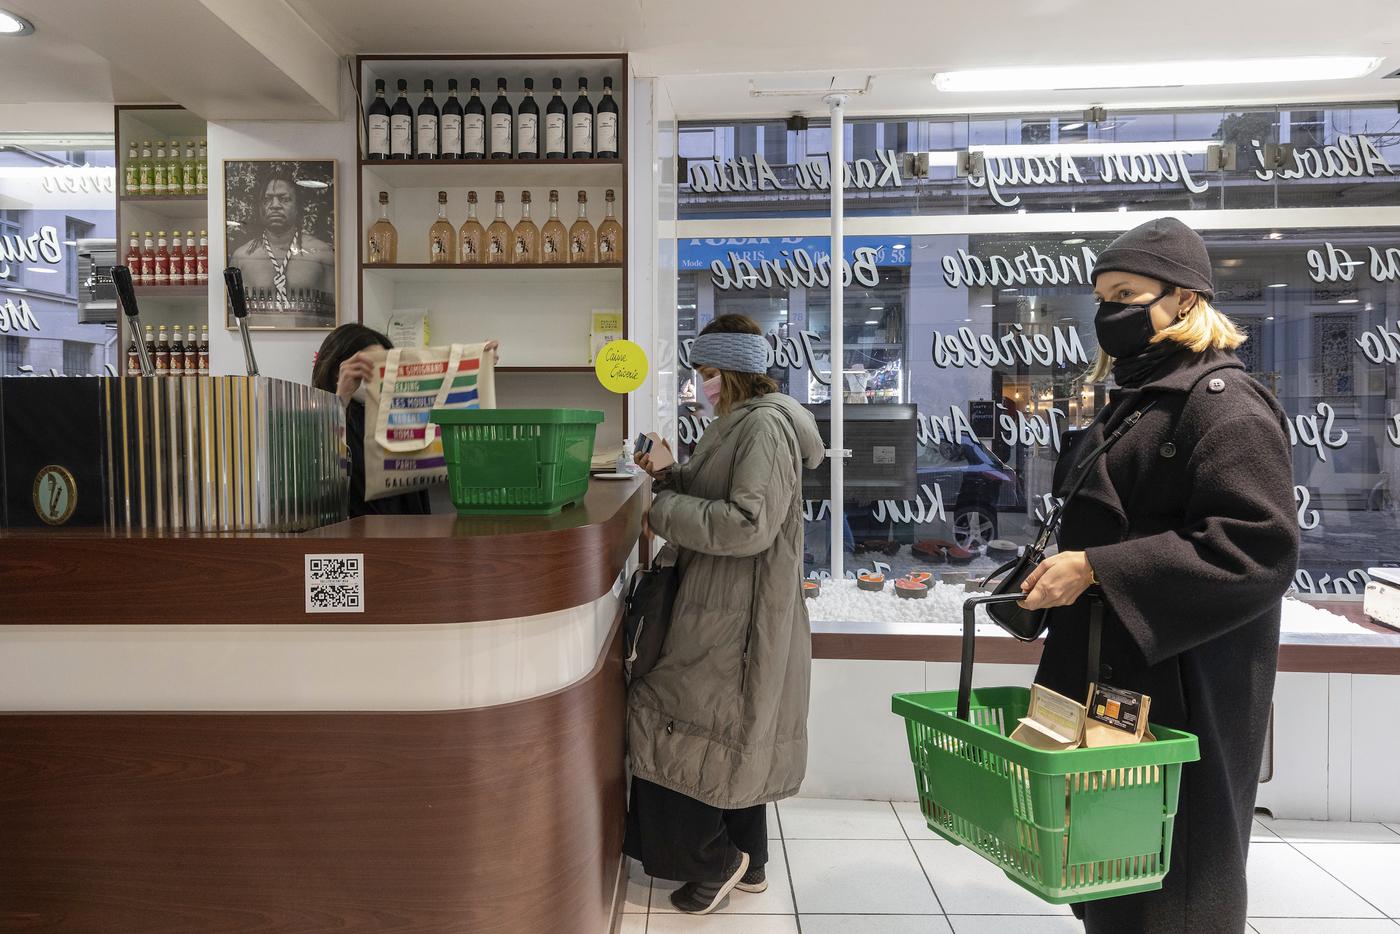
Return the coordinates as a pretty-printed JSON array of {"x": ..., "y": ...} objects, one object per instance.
[
  {"x": 12, "y": 25},
  {"x": 872, "y": 322},
  {"x": 42, "y": 270},
  {"x": 1348, "y": 301},
  {"x": 1071, "y": 126},
  {"x": 1275, "y": 236},
  {"x": 1278, "y": 285},
  {"x": 1073, "y": 241},
  {"x": 1158, "y": 74}
]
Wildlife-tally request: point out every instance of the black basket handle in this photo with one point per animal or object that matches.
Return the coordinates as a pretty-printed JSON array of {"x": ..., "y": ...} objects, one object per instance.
[{"x": 969, "y": 643}]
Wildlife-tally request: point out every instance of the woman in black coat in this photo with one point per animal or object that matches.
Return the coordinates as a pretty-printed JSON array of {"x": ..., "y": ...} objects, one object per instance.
[{"x": 1186, "y": 527}]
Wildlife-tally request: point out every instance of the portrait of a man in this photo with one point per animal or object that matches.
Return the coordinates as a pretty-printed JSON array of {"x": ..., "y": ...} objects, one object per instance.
[{"x": 280, "y": 218}]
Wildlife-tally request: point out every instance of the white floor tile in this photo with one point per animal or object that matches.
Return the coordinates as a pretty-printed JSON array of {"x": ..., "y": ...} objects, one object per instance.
[
  {"x": 638, "y": 889},
  {"x": 1025, "y": 924},
  {"x": 1283, "y": 883},
  {"x": 1323, "y": 926},
  {"x": 1261, "y": 834},
  {"x": 1323, "y": 831},
  {"x": 875, "y": 924},
  {"x": 776, "y": 901},
  {"x": 826, "y": 819},
  {"x": 913, "y": 820},
  {"x": 1370, "y": 870},
  {"x": 1394, "y": 827},
  {"x": 722, "y": 924},
  {"x": 858, "y": 877},
  {"x": 968, "y": 884},
  {"x": 774, "y": 827},
  {"x": 633, "y": 924}
]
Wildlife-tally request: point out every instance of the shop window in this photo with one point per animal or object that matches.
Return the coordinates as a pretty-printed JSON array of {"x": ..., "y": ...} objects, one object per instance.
[
  {"x": 77, "y": 358},
  {"x": 11, "y": 355}
]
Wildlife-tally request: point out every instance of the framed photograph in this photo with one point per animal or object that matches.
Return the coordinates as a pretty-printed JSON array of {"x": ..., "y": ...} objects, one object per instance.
[{"x": 280, "y": 231}]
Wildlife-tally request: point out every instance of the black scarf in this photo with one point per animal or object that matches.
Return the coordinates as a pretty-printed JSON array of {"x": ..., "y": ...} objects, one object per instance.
[{"x": 1139, "y": 369}]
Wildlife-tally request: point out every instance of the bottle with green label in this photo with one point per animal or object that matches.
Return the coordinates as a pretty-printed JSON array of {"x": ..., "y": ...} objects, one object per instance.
[
  {"x": 189, "y": 181},
  {"x": 175, "y": 169},
  {"x": 132, "y": 185},
  {"x": 147, "y": 171},
  {"x": 159, "y": 167},
  {"x": 202, "y": 169}
]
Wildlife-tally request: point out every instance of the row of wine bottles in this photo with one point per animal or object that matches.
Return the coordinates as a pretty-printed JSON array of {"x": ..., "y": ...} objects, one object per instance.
[
  {"x": 500, "y": 244},
  {"x": 184, "y": 356},
  {"x": 458, "y": 131}
]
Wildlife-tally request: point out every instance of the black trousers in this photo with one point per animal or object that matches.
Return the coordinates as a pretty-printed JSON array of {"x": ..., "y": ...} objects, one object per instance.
[{"x": 676, "y": 837}]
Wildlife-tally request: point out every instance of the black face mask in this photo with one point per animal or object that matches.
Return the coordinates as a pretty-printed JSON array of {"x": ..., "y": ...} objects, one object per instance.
[{"x": 1126, "y": 330}]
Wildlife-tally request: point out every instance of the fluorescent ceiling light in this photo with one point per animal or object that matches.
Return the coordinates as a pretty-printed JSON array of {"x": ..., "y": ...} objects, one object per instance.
[
  {"x": 872, "y": 322},
  {"x": 1072, "y": 126},
  {"x": 987, "y": 306},
  {"x": 877, "y": 307},
  {"x": 1278, "y": 285},
  {"x": 13, "y": 25},
  {"x": 1269, "y": 318},
  {"x": 15, "y": 288},
  {"x": 1275, "y": 236},
  {"x": 42, "y": 270},
  {"x": 1096, "y": 148},
  {"x": 1347, "y": 301},
  {"x": 1158, "y": 74}
]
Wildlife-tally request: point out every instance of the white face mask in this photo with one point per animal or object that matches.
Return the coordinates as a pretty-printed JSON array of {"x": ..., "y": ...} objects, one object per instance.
[{"x": 712, "y": 388}]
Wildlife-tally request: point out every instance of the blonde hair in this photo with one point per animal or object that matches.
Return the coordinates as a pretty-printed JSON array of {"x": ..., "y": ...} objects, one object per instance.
[
  {"x": 738, "y": 388},
  {"x": 1201, "y": 328}
]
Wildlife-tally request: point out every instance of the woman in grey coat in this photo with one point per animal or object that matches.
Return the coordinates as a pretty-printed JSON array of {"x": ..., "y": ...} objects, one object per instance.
[{"x": 718, "y": 728}]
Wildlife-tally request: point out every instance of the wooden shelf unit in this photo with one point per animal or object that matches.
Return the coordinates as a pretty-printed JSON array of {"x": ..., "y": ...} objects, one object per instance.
[{"x": 510, "y": 302}]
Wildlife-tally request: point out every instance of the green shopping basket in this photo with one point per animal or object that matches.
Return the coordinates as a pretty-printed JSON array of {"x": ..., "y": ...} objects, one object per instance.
[{"x": 1070, "y": 826}]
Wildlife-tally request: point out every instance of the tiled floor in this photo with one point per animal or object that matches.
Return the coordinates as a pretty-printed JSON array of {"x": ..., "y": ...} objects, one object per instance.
[{"x": 872, "y": 867}]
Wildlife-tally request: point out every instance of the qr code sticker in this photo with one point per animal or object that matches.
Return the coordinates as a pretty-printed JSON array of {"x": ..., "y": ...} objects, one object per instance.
[{"x": 335, "y": 583}]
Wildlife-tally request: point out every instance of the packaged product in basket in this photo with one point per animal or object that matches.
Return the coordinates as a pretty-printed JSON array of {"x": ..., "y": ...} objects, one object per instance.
[
  {"x": 1052, "y": 721},
  {"x": 1116, "y": 717}
]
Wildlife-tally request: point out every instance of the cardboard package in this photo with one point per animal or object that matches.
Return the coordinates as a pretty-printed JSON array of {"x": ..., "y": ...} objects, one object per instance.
[
  {"x": 1115, "y": 717},
  {"x": 1052, "y": 721}
]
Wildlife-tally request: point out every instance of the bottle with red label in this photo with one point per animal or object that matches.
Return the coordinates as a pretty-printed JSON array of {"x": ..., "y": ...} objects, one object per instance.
[
  {"x": 162, "y": 264},
  {"x": 133, "y": 259},
  {"x": 177, "y": 259},
  {"x": 191, "y": 259},
  {"x": 148, "y": 261},
  {"x": 191, "y": 352},
  {"x": 203, "y": 272}
]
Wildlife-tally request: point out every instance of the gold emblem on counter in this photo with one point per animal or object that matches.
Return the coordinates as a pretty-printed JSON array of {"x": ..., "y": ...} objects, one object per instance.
[{"x": 55, "y": 494}]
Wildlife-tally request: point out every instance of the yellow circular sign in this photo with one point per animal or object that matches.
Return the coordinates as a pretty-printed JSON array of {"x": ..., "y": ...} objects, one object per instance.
[
  {"x": 55, "y": 494},
  {"x": 621, "y": 366}
]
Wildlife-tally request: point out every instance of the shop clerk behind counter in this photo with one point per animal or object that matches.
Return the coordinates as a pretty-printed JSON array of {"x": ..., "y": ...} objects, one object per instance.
[
  {"x": 1188, "y": 528},
  {"x": 340, "y": 368}
]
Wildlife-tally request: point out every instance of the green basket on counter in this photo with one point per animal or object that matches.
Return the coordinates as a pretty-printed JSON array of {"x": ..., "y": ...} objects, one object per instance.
[{"x": 531, "y": 462}]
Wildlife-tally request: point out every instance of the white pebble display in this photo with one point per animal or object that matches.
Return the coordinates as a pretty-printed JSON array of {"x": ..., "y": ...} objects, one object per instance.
[{"x": 844, "y": 601}]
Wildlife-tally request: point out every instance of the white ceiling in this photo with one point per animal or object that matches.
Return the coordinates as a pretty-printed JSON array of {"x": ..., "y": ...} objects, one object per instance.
[{"x": 243, "y": 58}]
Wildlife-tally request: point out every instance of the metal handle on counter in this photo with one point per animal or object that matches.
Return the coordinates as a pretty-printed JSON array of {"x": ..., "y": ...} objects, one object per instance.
[
  {"x": 238, "y": 299},
  {"x": 969, "y": 644},
  {"x": 126, "y": 294}
]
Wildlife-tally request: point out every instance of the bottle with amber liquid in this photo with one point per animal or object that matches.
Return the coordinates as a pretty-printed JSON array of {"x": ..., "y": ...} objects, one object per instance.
[
  {"x": 442, "y": 238},
  {"x": 610, "y": 236},
  {"x": 554, "y": 239},
  {"x": 498, "y": 235},
  {"x": 583, "y": 249},
  {"x": 383, "y": 238},
  {"x": 525, "y": 239},
  {"x": 472, "y": 236}
]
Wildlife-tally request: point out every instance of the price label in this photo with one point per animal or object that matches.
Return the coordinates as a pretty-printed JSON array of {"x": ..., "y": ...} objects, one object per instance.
[{"x": 621, "y": 366}]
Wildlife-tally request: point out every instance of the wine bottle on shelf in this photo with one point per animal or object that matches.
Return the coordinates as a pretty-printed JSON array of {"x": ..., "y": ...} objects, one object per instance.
[
  {"x": 147, "y": 169},
  {"x": 428, "y": 124},
  {"x": 556, "y": 124},
  {"x": 132, "y": 180},
  {"x": 203, "y": 258},
  {"x": 133, "y": 259},
  {"x": 383, "y": 238},
  {"x": 498, "y": 235},
  {"x": 151, "y": 344},
  {"x": 451, "y": 122},
  {"x": 607, "y": 123},
  {"x": 582, "y": 246},
  {"x": 133, "y": 359},
  {"x": 189, "y": 170},
  {"x": 526, "y": 238},
  {"x": 204, "y": 350},
  {"x": 191, "y": 259},
  {"x": 610, "y": 235},
  {"x": 191, "y": 352},
  {"x": 581, "y": 124},
  {"x": 201, "y": 169},
  {"x": 147, "y": 275},
  {"x": 553, "y": 237},
  {"x": 163, "y": 353},
  {"x": 527, "y": 125},
  {"x": 177, "y": 259},
  {"x": 401, "y": 125},
  {"x": 442, "y": 238},
  {"x": 158, "y": 167},
  {"x": 474, "y": 125},
  {"x": 377, "y": 124},
  {"x": 162, "y": 265},
  {"x": 177, "y": 354},
  {"x": 472, "y": 235},
  {"x": 501, "y": 114}
]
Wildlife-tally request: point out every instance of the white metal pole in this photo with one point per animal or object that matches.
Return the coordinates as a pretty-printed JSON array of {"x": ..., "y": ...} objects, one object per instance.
[{"x": 837, "y": 103}]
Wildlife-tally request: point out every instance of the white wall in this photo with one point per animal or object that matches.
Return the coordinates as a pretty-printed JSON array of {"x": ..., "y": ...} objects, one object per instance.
[{"x": 288, "y": 354}]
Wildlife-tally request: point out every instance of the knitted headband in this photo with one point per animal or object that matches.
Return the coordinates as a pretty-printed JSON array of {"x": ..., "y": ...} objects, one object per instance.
[{"x": 738, "y": 353}]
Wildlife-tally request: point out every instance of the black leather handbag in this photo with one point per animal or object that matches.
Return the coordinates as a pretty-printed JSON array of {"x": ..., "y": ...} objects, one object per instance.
[
  {"x": 646, "y": 616},
  {"x": 1020, "y": 622}
]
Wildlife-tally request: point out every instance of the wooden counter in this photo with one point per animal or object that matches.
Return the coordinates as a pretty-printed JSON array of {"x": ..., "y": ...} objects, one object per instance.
[{"x": 369, "y": 816}]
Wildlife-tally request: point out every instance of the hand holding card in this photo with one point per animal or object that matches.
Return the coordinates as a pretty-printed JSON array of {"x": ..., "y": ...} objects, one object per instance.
[{"x": 654, "y": 454}]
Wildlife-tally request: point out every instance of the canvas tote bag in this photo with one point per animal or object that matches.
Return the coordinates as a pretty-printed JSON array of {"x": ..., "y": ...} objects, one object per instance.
[{"x": 403, "y": 450}]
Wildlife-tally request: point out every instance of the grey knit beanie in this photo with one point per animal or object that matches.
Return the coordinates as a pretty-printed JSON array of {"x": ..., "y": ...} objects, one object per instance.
[{"x": 738, "y": 353}]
